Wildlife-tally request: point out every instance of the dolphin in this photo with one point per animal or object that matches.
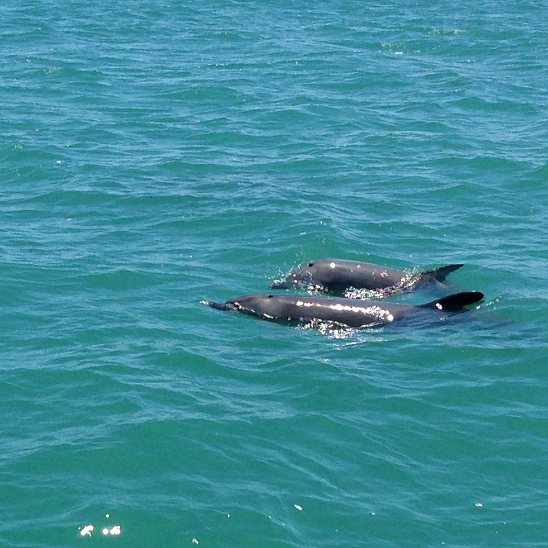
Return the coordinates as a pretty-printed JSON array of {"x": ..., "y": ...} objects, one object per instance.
[
  {"x": 339, "y": 275},
  {"x": 350, "y": 312}
]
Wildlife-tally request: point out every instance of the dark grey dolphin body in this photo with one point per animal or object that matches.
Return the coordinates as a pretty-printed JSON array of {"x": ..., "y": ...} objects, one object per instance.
[
  {"x": 339, "y": 274},
  {"x": 350, "y": 312}
]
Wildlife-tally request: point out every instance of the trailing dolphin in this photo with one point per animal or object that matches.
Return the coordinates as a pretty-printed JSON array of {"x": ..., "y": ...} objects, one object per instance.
[
  {"x": 339, "y": 274},
  {"x": 350, "y": 312}
]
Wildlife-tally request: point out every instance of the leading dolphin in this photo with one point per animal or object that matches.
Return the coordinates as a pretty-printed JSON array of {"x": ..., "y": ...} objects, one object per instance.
[
  {"x": 339, "y": 274},
  {"x": 350, "y": 312}
]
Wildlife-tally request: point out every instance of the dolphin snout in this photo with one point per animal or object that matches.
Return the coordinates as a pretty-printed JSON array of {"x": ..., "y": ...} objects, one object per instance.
[
  {"x": 281, "y": 284},
  {"x": 220, "y": 306}
]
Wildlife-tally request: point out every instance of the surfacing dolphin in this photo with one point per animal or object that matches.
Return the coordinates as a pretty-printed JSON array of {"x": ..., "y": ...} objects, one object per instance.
[
  {"x": 339, "y": 275},
  {"x": 350, "y": 312}
]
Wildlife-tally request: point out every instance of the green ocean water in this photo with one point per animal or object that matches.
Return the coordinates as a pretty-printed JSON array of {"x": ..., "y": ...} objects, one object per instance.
[{"x": 154, "y": 155}]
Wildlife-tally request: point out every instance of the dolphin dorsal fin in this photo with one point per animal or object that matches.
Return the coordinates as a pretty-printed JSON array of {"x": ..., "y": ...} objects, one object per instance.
[
  {"x": 439, "y": 274},
  {"x": 456, "y": 301}
]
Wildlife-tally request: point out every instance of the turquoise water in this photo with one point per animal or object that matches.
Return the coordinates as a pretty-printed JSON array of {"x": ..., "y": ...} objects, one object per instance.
[{"x": 154, "y": 155}]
